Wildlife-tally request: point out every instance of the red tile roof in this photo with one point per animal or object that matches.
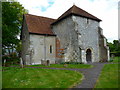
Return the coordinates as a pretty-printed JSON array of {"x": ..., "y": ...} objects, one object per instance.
[
  {"x": 74, "y": 10},
  {"x": 38, "y": 24}
]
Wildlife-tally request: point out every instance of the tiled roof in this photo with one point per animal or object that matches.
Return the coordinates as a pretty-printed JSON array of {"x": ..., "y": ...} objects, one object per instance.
[
  {"x": 74, "y": 10},
  {"x": 38, "y": 24}
]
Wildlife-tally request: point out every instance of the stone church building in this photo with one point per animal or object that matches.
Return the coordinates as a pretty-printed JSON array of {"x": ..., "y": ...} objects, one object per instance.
[{"x": 75, "y": 36}]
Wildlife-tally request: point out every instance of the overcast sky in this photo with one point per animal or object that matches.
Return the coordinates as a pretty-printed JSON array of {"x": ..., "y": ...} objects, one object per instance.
[{"x": 106, "y": 10}]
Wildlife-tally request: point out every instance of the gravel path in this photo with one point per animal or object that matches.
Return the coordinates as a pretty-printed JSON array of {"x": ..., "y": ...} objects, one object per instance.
[{"x": 90, "y": 75}]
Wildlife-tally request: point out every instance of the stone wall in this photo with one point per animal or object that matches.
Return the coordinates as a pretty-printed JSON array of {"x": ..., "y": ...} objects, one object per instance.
[
  {"x": 68, "y": 38},
  {"x": 102, "y": 47},
  {"x": 88, "y": 38},
  {"x": 25, "y": 43},
  {"x": 77, "y": 34},
  {"x": 37, "y": 47},
  {"x": 40, "y": 46}
]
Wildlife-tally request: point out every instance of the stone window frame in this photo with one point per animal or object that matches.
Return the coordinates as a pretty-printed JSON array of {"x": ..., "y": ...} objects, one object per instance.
[{"x": 51, "y": 49}]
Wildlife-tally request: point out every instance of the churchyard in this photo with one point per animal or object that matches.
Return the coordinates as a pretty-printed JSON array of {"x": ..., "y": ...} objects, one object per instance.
[{"x": 32, "y": 77}]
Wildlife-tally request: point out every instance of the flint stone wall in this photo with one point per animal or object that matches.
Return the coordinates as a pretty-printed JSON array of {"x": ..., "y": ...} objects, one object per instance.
[{"x": 76, "y": 36}]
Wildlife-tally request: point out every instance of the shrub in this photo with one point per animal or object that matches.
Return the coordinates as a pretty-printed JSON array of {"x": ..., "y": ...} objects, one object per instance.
[
  {"x": 62, "y": 63},
  {"x": 111, "y": 60}
]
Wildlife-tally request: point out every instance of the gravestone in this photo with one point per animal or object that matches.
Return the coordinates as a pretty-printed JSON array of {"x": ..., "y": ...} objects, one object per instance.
[
  {"x": 48, "y": 62},
  {"x": 45, "y": 62},
  {"x": 4, "y": 61},
  {"x": 21, "y": 62}
]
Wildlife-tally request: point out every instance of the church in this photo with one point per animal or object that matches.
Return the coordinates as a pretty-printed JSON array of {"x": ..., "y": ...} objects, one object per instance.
[{"x": 76, "y": 36}]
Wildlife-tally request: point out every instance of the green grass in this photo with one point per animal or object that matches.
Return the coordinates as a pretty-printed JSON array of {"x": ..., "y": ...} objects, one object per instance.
[
  {"x": 108, "y": 77},
  {"x": 62, "y": 66},
  {"x": 39, "y": 78}
]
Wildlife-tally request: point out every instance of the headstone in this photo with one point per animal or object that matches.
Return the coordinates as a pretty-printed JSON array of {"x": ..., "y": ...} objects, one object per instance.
[
  {"x": 4, "y": 61},
  {"x": 48, "y": 62},
  {"x": 21, "y": 62},
  {"x": 45, "y": 62}
]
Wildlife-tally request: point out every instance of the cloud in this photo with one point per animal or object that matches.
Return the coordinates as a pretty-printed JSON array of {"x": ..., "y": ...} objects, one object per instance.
[
  {"x": 103, "y": 9},
  {"x": 44, "y": 8}
]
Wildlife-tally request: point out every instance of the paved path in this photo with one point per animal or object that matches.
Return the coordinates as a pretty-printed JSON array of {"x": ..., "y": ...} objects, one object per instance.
[{"x": 90, "y": 75}]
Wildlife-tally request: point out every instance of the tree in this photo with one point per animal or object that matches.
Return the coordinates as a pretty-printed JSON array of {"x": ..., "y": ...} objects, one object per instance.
[
  {"x": 12, "y": 14},
  {"x": 19, "y": 48},
  {"x": 115, "y": 48}
]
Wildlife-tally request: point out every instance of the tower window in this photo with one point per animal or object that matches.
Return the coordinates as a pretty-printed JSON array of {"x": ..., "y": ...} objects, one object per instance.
[
  {"x": 87, "y": 21},
  {"x": 50, "y": 48}
]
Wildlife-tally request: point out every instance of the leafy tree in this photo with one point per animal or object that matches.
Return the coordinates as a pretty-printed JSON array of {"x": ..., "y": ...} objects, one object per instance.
[
  {"x": 115, "y": 48},
  {"x": 19, "y": 48},
  {"x": 111, "y": 46},
  {"x": 12, "y": 14}
]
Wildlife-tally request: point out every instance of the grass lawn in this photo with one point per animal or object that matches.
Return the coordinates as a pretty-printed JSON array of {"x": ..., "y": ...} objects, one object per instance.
[
  {"x": 108, "y": 77},
  {"x": 14, "y": 77},
  {"x": 62, "y": 66}
]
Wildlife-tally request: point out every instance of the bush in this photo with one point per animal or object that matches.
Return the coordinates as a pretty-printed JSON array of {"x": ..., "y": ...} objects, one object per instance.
[
  {"x": 62, "y": 63},
  {"x": 116, "y": 53},
  {"x": 111, "y": 60}
]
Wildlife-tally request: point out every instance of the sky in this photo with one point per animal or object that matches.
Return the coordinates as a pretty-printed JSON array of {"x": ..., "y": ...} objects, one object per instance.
[{"x": 106, "y": 10}]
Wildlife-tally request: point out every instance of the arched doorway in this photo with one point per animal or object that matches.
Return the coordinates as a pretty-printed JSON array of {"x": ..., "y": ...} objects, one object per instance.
[{"x": 88, "y": 55}]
